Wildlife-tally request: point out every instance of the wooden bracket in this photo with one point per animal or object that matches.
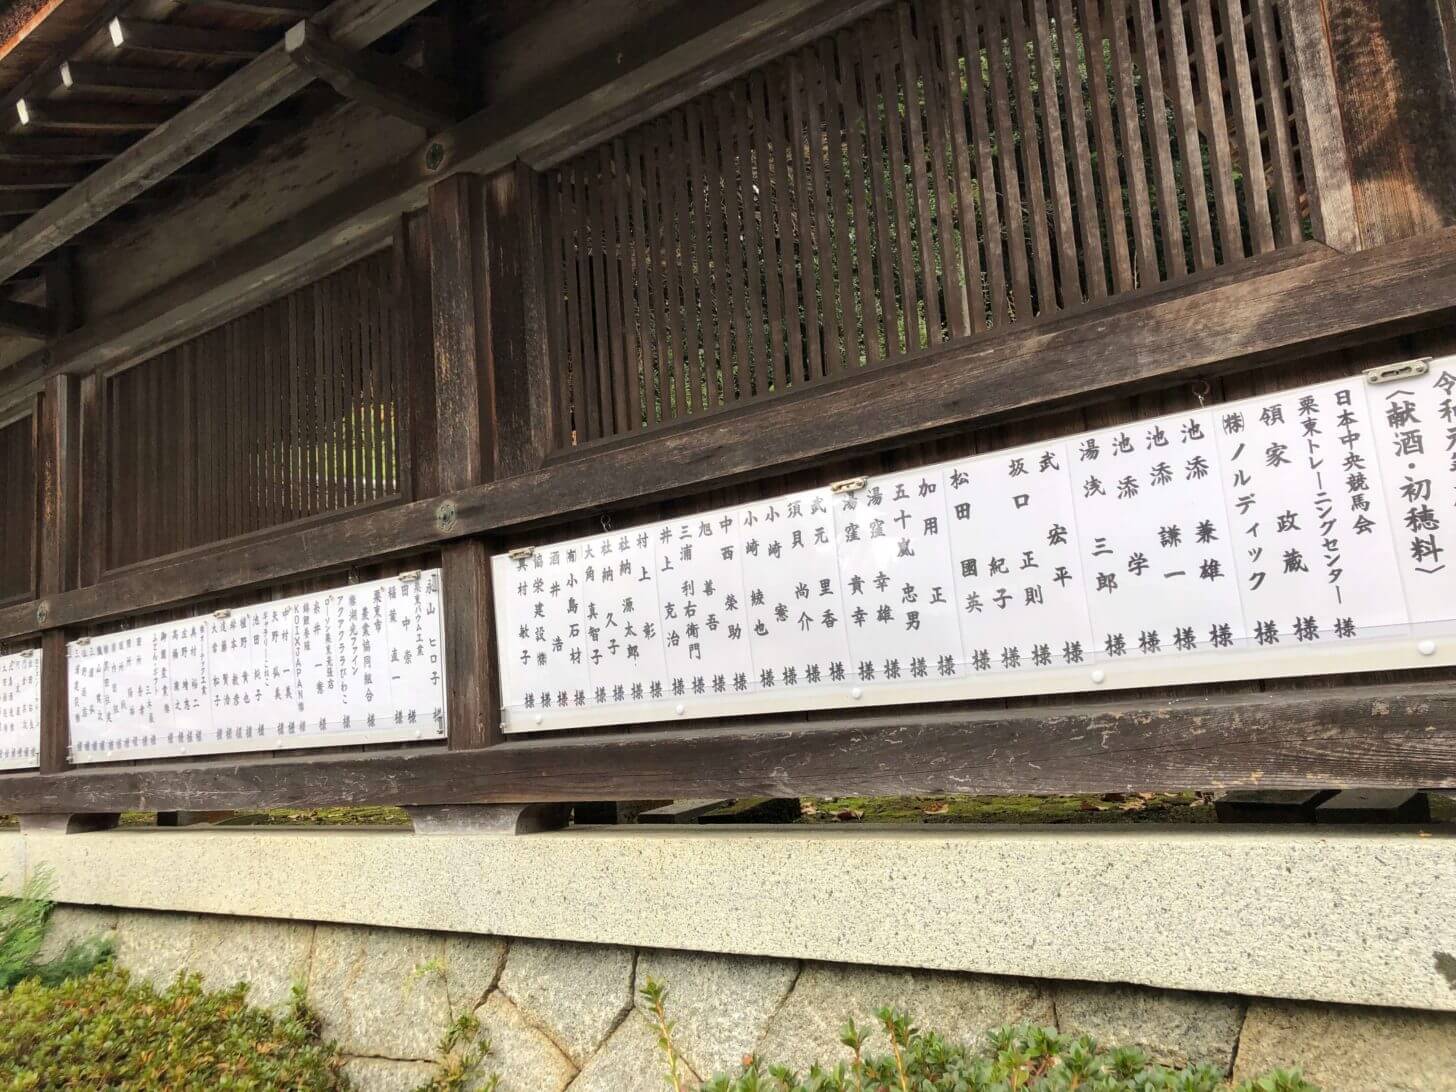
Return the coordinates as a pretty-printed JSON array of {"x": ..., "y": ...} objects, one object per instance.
[{"x": 374, "y": 79}]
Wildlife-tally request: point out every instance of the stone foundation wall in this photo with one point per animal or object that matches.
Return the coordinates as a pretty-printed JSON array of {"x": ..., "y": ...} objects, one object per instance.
[{"x": 564, "y": 1016}]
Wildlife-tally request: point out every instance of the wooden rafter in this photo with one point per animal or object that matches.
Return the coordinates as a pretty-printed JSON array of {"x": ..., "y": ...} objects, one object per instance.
[
  {"x": 372, "y": 78},
  {"x": 135, "y": 34},
  {"x": 77, "y": 77},
  {"x": 59, "y": 149},
  {"x": 42, "y": 177},
  {"x": 296, "y": 9},
  {"x": 97, "y": 117}
]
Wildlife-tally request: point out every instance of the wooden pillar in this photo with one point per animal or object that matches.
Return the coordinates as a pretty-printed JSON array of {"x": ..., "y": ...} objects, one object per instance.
[
  {"x": 1396, "y": 97},
  {"x": 464, "y": 446},
  {"x": 58, "y": 489},
  {"x": 491, "y": 401}
]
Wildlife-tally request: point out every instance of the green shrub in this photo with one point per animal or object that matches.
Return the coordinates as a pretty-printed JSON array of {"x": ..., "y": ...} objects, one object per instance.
[
  {"x": 103, "y": 1031},
  {"x": 23, "y": 923},
  {"x": 1013, "y": 1059}
]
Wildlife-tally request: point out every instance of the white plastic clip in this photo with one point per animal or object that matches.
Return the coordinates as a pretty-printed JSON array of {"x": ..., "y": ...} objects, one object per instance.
[
  {"x": 523, "y": 553},
  {"x": 1406, "y": 369},
  {"x": 82, "y": 641},
  {"x": 29, "y": 654},
  {"x": 849, "y": 485},
  {"x": 410, "y": 577},
  {"x": 224, "y": 613}
]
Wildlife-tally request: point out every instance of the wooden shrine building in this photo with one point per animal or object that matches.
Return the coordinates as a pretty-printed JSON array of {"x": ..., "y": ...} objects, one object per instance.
[{"x": 376, "y": 374}]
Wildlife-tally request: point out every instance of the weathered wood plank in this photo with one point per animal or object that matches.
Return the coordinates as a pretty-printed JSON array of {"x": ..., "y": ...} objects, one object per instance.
[{"x": 1396, "y": 736}]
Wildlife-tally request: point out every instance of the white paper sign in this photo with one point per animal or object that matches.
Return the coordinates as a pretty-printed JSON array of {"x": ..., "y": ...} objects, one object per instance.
[
  {"x": 1306, "y": 532},
  {"x": 20, "y": 711},
  {"x": 358, "y": 664}
]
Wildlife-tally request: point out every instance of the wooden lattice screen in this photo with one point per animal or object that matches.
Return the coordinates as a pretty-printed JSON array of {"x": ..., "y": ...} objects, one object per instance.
[
  {"x": 17, "y": 509},
  {"x": 290, "y": 412},
  {"x": 939, "y": 169}
]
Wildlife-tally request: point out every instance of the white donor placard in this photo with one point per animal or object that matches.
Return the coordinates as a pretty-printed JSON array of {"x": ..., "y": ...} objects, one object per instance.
[
  {"x": 1305, "y": 532},
  {"x": 358, "y": 664},
  {"x": 20, "y": 711}
]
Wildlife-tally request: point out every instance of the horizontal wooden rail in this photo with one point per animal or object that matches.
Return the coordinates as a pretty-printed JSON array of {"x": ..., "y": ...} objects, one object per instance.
[
  {"x": 1396, "y": 736},
  {"x": 1304, "y": 303}
]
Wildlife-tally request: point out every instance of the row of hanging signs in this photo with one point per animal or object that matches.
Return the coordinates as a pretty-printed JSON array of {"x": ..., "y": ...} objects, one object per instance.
[{"x": 1307, "y": 532}]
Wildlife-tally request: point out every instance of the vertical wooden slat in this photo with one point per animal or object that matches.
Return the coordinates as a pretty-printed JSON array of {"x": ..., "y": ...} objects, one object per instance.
[
  {"x": 557, "y": 307},
  {"x": 418, "y": 364},
  {"x": 578, "y": 291},
  {"x": 988, "y": 190},
  {"x": 753, "y": 235},
  {"x": 716, "y": 228},
  {"x": 1216, "y": 125},
  {"x": 773, "y": 262},
  {"x": 687, "y": 311},
  {"x": 953, "y": 286},
  {"x": 702, "y": 259},
  {"x": 785, "y": 149},
  {"x": 1135, "y": 166},
  {"x": 1114, "y": 218},
  {"x": 802, "y": 144},
  {"x": 1321, "y": 133},
  {"x": 1190, "y": 150},
  {"x": 1058, "y": 182},
  {"x": 858, "y": 292},
  {"x": 1276, "y": 122},
  {"x": 1093, "y": 262},
  {"x": 613, "y": 395},
  {"x": 839, "y": 206},
  {"x": 1014, "y": 210},
  {"x": 821, "y": 275},
  {"x": 924, "y": 232},
  {"x": 1175, "y": 261},
  {"x": 879, "y": 94},
  {"x": 658, "y": 379},
  {"x": 739, "y": 362},
  {"x": 632, "y": 341},
  {"x": 1031, "y": 144},
  {"x": 1240, "y": 75},
  {"x": 92, "y": 500}
]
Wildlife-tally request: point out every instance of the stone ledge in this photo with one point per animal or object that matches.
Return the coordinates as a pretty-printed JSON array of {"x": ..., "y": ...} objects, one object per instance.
[{"x": 1348, "y": 916}]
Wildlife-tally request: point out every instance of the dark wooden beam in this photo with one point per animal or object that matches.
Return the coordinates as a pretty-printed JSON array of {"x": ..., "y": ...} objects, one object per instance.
[
  {"x": 42, "y": 74},
  {"x": 30, "y": 177},
  {"x": 60, "y": 149},
  {"x": 97, "y": 117},
  {"x": 294, "y": 9},
  {"x": 78, "y": 77},
  {"x": 243, "y": 97},
  {"x": 170, "y": 38},
  {"x": 26, "y": 320},
  {"x": 374, "y": 79},
  {"x": 1292, "y": 310},
  {"x": 1387, "y": 736}
]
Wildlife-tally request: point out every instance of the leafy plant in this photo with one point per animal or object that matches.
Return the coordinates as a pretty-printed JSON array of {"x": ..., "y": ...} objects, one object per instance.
[
  {"x": 655, "y": 994},
  {"x": 104, "y": 1031},
  {"x": 463, "y": 1051},
  {"x": 1011, "y": 1059},
  {"x": 23, "y": 922}
]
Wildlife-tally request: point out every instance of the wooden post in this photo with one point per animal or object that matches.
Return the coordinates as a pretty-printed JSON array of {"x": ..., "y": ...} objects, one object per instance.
[
  {"x": 1321, "y": 135},
  {"x": 1393, "y": 81},
  {"x": 58, "y": 488},
  {"x": 464, "y": 446},
  {"x": 491, "y": 401}
]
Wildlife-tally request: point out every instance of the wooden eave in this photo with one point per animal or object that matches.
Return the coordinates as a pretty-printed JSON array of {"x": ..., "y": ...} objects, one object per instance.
[{"x": 125, "y": 101}]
